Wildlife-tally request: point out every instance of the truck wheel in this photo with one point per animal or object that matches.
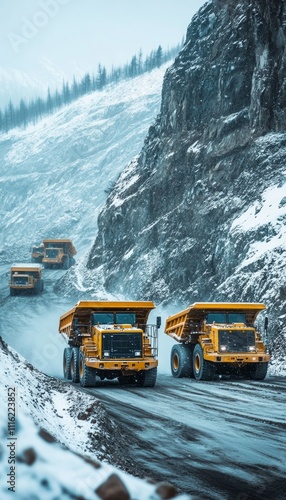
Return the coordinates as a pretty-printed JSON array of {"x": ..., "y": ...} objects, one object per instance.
[
  {"x": 87, "y": 375},
  {"x": 181, "y": 361},
  {"x": 66, "y": 263},
  {"x": 258, "y": 371},
  {"x": 146, "y": 378},
  {"x": 75, "y": 364},
  {"x": 13, "y": 292},
  {"x": 67, "y": 363},
  {"x": 203, "y": 370}
]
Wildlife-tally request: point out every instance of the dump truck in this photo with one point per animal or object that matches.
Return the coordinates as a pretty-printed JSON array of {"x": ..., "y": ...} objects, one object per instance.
[
  {"x": 58, "y": 253},
  {"x": 26, "y": 278},
  {"x": 218, "y": 339},
  {"x": 38, "y": 253},
  {"x": 110, "y": 340}
]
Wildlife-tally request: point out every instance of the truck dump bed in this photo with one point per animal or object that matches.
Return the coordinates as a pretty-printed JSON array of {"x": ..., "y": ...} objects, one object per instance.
[
  {"x": 82, "y": 311},
  {"x": 180, "y": 325},
  {"x": 26, "y": 267},
  {"x": 57, "y": 243}
]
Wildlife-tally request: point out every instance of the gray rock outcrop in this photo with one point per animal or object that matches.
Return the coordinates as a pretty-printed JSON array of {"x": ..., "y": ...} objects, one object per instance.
[{"x": 200, "y": 214}]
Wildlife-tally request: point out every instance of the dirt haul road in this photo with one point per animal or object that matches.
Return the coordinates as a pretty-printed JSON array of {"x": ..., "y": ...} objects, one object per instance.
[{"x": 219, "y": 440}]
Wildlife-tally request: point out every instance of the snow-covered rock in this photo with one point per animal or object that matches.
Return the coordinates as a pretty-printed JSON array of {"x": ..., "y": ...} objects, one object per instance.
[
  {"x": 57, "y": 442},
  {"x": 199, "y": 215}
]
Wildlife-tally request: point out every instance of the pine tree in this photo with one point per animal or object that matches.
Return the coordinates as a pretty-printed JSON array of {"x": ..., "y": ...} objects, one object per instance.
[
  {"x": 66, "y": 94},
  {"x": 49, "y": 102},
  {"x": 140, "y": 62},
  {"x": 159, "y": 56},
  {"x": 23, "y": 113},
  {"x": 74, "y": 89},
  {"x": 57, "y": 99},
  {"x": 11, "y": 110}
]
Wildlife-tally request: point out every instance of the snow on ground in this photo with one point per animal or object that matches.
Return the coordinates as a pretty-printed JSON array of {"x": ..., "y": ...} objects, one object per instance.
[
  {"x": 53, "y": 175},
  {"x": 48, "y": 412}
]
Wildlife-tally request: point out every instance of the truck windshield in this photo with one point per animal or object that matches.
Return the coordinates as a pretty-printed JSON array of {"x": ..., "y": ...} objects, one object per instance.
[
  {"x": 103, "y": 318},
  {"x": 236, "y": 318},
  {"x": 125, "y": 318},
  {"x": 51, "y": 252},
  {"x": 111, "y": 318},
  {"x": 226, "y": 318},
  {"x": 216, "y": 318},
  {"x": 20, "y": 280}
]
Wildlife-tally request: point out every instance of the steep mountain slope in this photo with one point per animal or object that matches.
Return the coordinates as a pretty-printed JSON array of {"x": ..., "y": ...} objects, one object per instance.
[
  {"x": 53, "y": 175},
  {"x": 200, "y": 214}
]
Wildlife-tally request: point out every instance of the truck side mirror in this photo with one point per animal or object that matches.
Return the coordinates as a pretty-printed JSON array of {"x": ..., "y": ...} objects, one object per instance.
[
  {"x": 266, "y": 323},
  {"x": 158, "y": 321}
]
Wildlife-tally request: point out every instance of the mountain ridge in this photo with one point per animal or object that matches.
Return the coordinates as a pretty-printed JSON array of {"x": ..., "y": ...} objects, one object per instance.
[{"x": 178, "y": 232}]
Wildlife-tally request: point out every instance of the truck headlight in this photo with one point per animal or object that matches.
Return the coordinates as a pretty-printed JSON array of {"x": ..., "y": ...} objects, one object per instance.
[
  {"x": 137, "y": 353},
  {"x": 106, "y": 354},
  {"x": 251, "y": 348},
  {"x": 223, "y": 348}
]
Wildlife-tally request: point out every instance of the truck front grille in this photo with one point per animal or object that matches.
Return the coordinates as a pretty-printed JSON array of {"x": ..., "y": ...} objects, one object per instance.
[
  {"x": 236, "y": 340},
  {"x": 121, "y": 345}
]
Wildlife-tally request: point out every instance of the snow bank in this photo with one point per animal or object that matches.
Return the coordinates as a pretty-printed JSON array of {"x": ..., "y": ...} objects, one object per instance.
[{"x": 37, "y": 414}]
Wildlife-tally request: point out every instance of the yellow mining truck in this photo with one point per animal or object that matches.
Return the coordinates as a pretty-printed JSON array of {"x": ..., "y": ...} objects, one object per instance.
[
  {"x": 109, "y": 340},
  {"x": 216, "y": 339},
  {"x": 26, "y": 278},
  {"x": 38, "y": 253},
  {"x": 58, "y": 253}
]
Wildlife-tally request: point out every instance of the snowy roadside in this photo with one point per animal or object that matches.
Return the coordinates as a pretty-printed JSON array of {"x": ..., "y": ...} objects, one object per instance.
[{"x": 60, "y": 436}]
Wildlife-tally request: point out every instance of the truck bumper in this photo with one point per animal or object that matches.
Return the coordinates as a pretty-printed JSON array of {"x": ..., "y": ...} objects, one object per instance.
[
  {"x": 238, "y": 359},
  {"x": 22, "y": 287},
  {"x": 118, "y": 364}
]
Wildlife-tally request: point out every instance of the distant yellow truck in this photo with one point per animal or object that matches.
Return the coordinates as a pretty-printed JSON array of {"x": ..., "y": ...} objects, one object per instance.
[
  {"x": 216, "y": 338},
  {"x": 58, "y": 253},
  {"x": 26, "y": 278},
  {"x": 109, "y": 340}
]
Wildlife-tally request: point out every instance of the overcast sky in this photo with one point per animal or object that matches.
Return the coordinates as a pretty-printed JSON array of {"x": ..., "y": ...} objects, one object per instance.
[{"x": 81, "y": 33}]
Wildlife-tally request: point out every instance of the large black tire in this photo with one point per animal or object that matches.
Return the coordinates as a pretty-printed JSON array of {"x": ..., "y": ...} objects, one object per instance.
[
  {"x": 126, "y": 380},
  {"x": 146, "y": 378},
  {"x": 39, "y": 287},
  {"x": 75, "y": 364},
  {"x": 66, "y": 263},
  {"x": 87, "y": 375},
  {"x": 203, "y": 370},
  {"x": 258, "y": 371},
  {"x": 67, "y": 363},
  {"x": 13, "y": 292},
  {"x": 181, "y": 361}
]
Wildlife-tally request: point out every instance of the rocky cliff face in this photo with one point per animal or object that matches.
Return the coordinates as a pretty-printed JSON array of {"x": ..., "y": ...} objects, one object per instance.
[{"x": 200, "y": 214}]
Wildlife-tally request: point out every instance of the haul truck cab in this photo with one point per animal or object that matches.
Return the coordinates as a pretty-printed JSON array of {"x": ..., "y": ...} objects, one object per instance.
[
  {"x": 58, "y": 253},
  {"x": 108, "y": 340},
  {"x": 217, "y": 338}
]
